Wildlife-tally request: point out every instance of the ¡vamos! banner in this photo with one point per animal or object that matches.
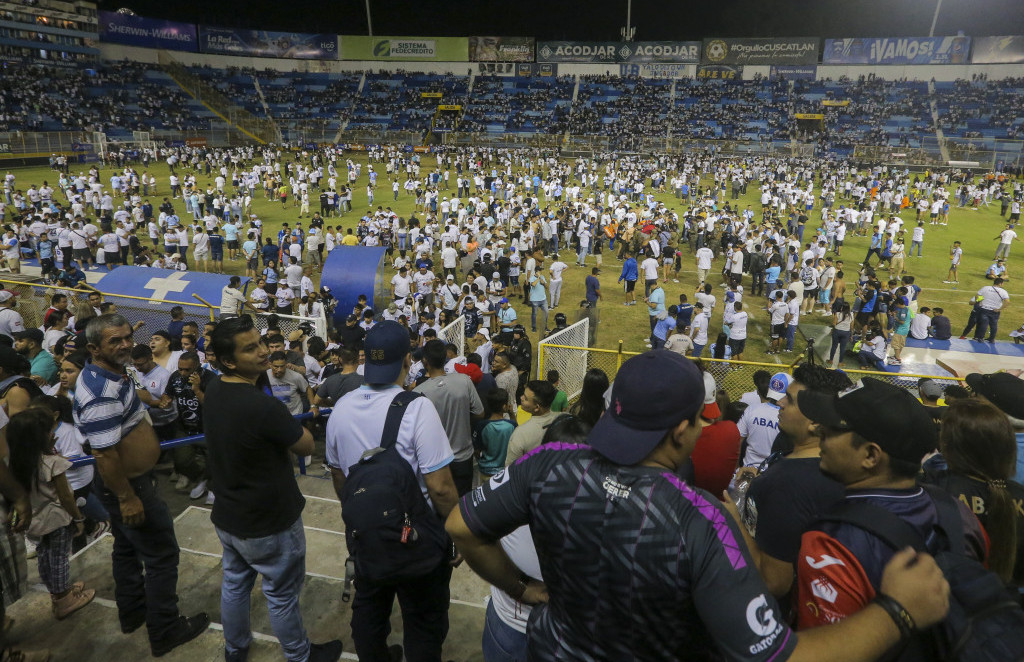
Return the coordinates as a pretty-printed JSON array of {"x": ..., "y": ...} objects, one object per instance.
[
  {"x": 147, "y": 32},
  {"x": 264, "y": 43},
  {"x": 907, "y": 50}
]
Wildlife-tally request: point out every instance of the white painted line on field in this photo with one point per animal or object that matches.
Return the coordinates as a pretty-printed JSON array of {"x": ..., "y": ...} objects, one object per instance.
[
  {"x": 466, "y": 603},
  {"x": 79, "y": 552},
  {"x": 316, "y": 498}
]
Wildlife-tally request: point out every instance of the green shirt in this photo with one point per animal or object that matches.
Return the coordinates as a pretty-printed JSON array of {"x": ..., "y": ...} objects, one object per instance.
[
  {"x": 494, "y": 441},
  {"x": 561, "y": 401},
  {"x": 44, "y": 366}
]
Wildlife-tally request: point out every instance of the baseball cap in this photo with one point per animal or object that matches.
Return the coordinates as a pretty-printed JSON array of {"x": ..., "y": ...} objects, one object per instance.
[
  {"x": 503, "y": 300},
  {"x": 386, "y": 345},
  {"x": 777, "y": 386},
  {"x": 929, "y": 388},
  {"x": 897, "y": 422},
  {"x": 449, "y": 277},
  {"x": 30, "y": 334},
  {"x": 6, "y": 295},
  {"x": 484, "y": 332},
  {"x": 495, "y": 275},
  {"x": 652, "y": 393},
  {"x": 1001, "y": 389},
  {"x": 711, "y": 409}
]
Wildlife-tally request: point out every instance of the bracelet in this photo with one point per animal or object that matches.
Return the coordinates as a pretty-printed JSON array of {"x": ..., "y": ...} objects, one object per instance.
[
  {"x": 78, "y": 520},
  {"x": 899, "y": 615},
  {"x": 520, "y": 587}
]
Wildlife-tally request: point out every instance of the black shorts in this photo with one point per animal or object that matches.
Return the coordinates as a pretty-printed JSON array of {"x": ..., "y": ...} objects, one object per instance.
[
  {"x": 839, "y": 242},
  {"x": 111, "y": 258},
  {"x": 863, "y": 319},
  {"x": 82, "y": 254},
  {"x": 233, "y": 244},
  {"x": 253, "y": 262},
  {"x": 737, "y": 346},
  {"x": 779, "y": 330},
  {"x": 630, "y": 285},
  {"x": 810, "y": 294},
  {"x": 1015, "y": 217}
]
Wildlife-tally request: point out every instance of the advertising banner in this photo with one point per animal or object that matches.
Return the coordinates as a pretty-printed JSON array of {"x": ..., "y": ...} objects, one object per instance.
[
  {"x": 415, "y": 49},
  {"x": 655, "y": 70},
  {"x": 897, "y": 50},
  {"x": 612, "y": 52},
  {"x": 431, "y": 95},
  {"x": 997, "y": 50},
  {"x": 264, "y": 43},
  {"x": 808, "y": 116},
  {"x": 720, "y": 71},
  {"x": 788, "y": 50},
  {"x": 147, "y": 32},
  {"x": 527, "y": 69},
  {"x": 501, "y": 49},
  {"x": 835, "y": 103},
  {"x": 449, "y": 107},
  {"x": 788, "y": 72}
]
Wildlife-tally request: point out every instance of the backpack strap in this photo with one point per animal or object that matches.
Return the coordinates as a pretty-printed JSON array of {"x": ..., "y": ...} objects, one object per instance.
[
  {"x": 886, "y": 526},
  {"x": 393, "y": 422}
]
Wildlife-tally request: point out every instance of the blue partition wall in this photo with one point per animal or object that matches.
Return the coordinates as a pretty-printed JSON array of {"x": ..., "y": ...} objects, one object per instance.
[{"x": 353, "y": 270}]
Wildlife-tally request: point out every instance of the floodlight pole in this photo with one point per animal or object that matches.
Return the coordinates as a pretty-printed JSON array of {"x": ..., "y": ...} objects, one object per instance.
[
  {"x": 935, "y": 18},
  {"x": 629, "y": 17},
  {"x": 369, "y": 22}
]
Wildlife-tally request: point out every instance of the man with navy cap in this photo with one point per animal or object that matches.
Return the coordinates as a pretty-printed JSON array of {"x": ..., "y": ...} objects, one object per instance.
[
  {"x": 355, "y": 426},
  {"x": 639, "y": 565}
]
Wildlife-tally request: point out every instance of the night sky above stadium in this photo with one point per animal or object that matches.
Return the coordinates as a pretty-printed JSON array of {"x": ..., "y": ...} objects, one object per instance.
[{"x": 595, "y": 19}]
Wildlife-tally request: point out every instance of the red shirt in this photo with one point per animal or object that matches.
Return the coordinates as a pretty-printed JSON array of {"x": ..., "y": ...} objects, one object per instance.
[{"x": 716, "y": 456}]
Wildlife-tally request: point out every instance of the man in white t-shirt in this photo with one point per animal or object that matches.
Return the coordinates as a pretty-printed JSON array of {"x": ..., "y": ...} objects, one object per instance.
[
  {"x": 704, "y": 256},
  {"x": 738, "y": 331},
  {"x": 356, "y": 426},
  {"x": 759, "y": 424},
  {"x": 917, "y": 239},
  {"x": 401, "y": 284},
  {"x": 555, "y": 285},
  {"x": 993, "y": 298},
  {"x": 1006, "y": 237}
]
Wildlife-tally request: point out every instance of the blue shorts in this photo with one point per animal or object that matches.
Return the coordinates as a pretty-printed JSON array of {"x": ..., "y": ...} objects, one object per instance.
[{"x": 823, "y": 295}]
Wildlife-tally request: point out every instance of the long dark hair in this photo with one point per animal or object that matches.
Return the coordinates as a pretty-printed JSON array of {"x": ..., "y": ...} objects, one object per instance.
[
  {"x": 29, "y": 436},
  {"x": 978, "y": 441},
  {"x": 720, "y": 345},
  {"x": 590, "y": 405}
]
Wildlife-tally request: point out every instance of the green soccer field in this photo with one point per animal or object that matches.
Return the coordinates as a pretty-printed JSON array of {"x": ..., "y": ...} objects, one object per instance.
[{"x": 976, "y": 229}]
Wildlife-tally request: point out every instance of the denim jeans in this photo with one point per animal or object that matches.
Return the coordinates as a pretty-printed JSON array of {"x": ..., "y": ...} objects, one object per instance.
[
  {"x": 790, "y": 336},
  {"x": 839, "y": 341},
  {"x": 543, "y": 307},
  {"x": 424, "y": 603},
  {"x": 151, "y": 547},
  {"x": 281, "y": 560},
  {"x": 501, "y": 642},
  {"x": 988, "y": 321}
]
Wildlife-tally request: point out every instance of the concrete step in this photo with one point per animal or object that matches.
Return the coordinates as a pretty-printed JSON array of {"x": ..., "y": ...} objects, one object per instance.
[{"x": 92, "y": 634}]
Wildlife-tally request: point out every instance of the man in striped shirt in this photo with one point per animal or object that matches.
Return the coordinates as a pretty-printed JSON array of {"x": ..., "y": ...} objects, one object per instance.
[{"x": 110, "y": 415}]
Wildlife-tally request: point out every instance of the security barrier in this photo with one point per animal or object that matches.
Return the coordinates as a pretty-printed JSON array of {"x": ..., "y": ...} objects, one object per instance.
[
  {"x": 733, "y": 377},
  {"x": 455, "y": 333},
  {"x": 33, "y": 300},
  {"x": 560, "y": 351}
]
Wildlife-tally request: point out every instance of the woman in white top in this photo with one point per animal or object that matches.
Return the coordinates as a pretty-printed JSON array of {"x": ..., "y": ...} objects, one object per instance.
[
  {"x": 259, "y": 297},
  {"x": 57, "y": 329}
]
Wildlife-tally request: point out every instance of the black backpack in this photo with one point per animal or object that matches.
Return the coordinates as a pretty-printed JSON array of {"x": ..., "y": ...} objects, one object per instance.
[
  {"x": 985, "y": 622},
  {"x": 392, "y": 533}
]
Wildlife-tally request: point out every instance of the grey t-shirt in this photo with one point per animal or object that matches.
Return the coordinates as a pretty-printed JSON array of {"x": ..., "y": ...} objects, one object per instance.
[
  {"x": 455, "y": 398},
  {"x": 289, "y": 389},
  {"x": 338, "y": 385}
]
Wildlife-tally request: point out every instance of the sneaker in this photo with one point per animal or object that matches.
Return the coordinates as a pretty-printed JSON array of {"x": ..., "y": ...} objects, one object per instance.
[
  {"x": 209, "y": 498},
  {"x": 198, "y": 491},
  {"x": 16, "y": 655},
  {"x": 187, "y": 630},
  {"x": 948, "y": 282},
  {"x": 30, "y": 549},
  {"x": 329, "y": 651},
  {"x": 72, "y": 602},
  {"x": 182, "y": 484}
]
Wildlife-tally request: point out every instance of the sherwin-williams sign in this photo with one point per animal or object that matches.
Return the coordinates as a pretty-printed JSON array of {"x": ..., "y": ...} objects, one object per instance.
[
  {"x": 437, "y": 49},
  {"x": 147, "y": 32}
]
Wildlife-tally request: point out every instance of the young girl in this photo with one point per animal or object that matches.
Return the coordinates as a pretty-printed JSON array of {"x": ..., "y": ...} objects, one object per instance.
[{"x": 37, "y": 467}]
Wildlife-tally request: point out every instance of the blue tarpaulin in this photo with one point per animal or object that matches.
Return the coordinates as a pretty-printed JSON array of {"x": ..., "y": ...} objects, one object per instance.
[
  {"x": 353, "y": 270},
  {"x": 166, "y": 284}
]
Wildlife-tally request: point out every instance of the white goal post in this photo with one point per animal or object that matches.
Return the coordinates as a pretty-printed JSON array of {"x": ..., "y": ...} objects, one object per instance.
[{"x": 566, "y": 352}]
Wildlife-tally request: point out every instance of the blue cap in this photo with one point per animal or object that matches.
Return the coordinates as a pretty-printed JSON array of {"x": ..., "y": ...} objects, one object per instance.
[
  {"x": 777, "y": 386},
  {"x": 652, "y": 393},
  {"x": 386, "y": 346}
]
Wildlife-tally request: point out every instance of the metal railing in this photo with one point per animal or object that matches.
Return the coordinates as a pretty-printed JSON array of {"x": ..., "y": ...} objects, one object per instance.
[
  {"x": 87, "y": 460},
  {"x": 734, "y": 377}
]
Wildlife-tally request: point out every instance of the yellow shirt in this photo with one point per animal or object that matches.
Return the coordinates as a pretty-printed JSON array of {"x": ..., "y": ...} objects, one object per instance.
[{"x": 350, "y": 240}]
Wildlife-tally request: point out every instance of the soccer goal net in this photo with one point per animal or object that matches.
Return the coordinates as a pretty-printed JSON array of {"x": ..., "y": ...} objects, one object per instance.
[{"x": 455, "y": 333}]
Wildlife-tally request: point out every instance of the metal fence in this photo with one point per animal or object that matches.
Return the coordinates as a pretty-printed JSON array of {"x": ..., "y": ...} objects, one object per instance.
[
  {"x": 455, "y": 333},
  {"x": 571, "y": 364},
  {"x": 289, "y": 323},
  {"x": 33, "y": 300},
  {"x": 733, "y": 377}
]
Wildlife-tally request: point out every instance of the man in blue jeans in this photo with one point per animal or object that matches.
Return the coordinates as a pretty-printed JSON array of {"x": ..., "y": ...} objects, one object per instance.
[
  {"x": 538, "y": 299},
  {"x": 111, "y": 417},
  {"x": 258, "y": 510}
]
